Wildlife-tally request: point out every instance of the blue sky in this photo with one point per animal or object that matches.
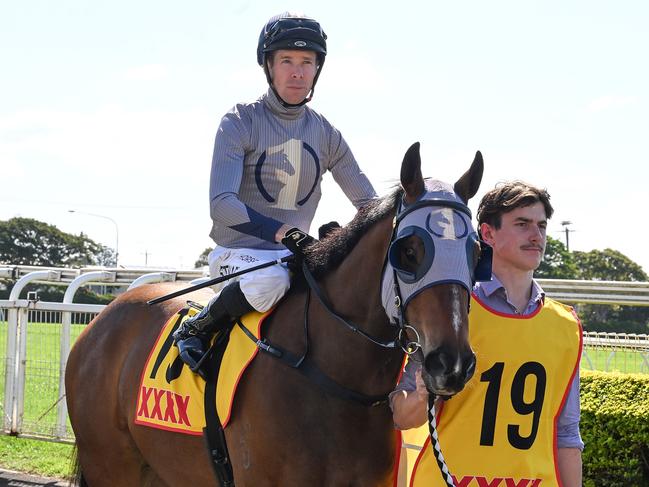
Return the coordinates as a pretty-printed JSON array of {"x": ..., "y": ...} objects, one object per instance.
[{"x": 111, "y": 108}]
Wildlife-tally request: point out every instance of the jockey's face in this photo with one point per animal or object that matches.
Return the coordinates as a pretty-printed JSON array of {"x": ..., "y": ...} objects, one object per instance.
[{"x": 292, "y": 73}]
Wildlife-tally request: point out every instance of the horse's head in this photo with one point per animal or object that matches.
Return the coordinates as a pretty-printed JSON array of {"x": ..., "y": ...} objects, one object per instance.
[{"x": 433, "y": 261}]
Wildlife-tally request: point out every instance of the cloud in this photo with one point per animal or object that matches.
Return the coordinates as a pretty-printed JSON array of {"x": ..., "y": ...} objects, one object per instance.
[
  {"x": 147, "y": 72},
  {"x": 341, "y": 74},
  {"x": 112, "y": 135},
  {"x": 11, "y": 169},
  {"x": 609, "y": 102},
  {"x": 112, "y": 155}
]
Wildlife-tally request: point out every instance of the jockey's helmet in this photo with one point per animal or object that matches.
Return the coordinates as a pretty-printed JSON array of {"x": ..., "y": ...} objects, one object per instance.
[{"x": 292, "y": 31}]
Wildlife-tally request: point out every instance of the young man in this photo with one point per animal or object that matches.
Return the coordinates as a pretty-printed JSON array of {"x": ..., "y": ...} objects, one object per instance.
[
  {"x": 518, "y": 417},
  {"x": 268, "y": 162}
]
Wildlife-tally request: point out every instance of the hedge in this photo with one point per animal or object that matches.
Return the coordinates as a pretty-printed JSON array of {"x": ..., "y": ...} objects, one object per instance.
[{"x": 615, "y": 429}]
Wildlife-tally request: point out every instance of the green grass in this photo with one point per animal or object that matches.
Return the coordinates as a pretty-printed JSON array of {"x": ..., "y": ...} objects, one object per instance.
[
  {"x": 41, "y": 376},
  {"x": 606, "y": 360},
  {"x": 39, "y": 457},
  {"x": 41, "y": 395}
]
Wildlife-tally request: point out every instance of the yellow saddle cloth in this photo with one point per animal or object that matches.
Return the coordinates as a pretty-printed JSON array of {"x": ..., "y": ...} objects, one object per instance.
[{"x": 172, "y": 397}]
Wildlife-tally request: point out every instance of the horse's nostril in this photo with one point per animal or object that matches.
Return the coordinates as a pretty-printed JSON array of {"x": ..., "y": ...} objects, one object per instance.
[{"x": 438, "y": 362}]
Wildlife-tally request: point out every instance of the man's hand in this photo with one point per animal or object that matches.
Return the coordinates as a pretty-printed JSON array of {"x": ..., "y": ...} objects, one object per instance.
[
  {"x": 410, "y": 408},
  {"x": 296, "y": 241},
  {"x": 422, "y": 392}
]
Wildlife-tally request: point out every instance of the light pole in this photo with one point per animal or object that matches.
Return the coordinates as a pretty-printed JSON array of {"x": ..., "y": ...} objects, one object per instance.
[
  {"x": 106, "y": 218},
  {"x": 566, "y": 228}
]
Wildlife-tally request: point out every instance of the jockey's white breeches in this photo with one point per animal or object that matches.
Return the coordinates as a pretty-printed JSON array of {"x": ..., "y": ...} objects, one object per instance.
[{"x": 262, "y": 288}]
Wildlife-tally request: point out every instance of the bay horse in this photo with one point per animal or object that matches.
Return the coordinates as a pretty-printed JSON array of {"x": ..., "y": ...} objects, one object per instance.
[{"x": 284, "y": 429}]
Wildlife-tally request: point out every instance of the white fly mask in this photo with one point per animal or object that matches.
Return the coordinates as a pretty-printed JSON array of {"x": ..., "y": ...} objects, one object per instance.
[{"x": 439, "y": 225}]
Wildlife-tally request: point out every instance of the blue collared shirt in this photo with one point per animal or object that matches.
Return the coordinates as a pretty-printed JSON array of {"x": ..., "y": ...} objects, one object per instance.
[{"x": 494, "y": 295}]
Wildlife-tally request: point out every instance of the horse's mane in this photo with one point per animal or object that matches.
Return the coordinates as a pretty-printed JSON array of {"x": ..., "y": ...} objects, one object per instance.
[{"x": 329, "y": 252}]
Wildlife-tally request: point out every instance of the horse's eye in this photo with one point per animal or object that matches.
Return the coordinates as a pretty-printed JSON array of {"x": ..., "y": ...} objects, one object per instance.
[{"x": 412, "y": 253}]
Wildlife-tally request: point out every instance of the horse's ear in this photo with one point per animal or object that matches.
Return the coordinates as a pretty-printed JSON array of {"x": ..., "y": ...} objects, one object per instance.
[
  {"x": 412, "y": 181},
  {"x": 467, "y": 186}
]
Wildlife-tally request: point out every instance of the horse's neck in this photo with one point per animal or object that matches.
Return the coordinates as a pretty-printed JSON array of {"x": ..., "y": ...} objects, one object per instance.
[
  {"x": 354, "y": 289},
  {"x": 355, "y": 286}
]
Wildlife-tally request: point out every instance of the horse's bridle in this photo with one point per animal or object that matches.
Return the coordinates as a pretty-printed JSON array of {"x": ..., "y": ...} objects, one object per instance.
[
  {"x": 313, "y": 286},
  {"x": 307, "y": 367},
  {"x": 410, "y": 347},
  {"x": 401, "y": 338},
  {"x": 312, "y": 372}
]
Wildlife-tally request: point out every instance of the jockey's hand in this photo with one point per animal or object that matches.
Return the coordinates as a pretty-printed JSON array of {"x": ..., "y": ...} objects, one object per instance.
[{"x": 296, "y": 241}]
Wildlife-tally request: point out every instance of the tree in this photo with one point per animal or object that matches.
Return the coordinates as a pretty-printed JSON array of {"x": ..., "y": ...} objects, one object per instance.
[
  {"x": 25, "y": 241},
  {"x": 202, "y": 259},
  {"x": 611, "y": 265},
  {"x": 608, "y": 265},
  {"x": 557, "y": 263},
  {"x": 604, "y": 265}
]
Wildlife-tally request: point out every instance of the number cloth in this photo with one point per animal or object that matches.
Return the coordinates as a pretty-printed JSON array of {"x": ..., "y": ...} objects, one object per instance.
[
  {"x": 171, "y": 397},
  {"x": 503, "y": 424}
]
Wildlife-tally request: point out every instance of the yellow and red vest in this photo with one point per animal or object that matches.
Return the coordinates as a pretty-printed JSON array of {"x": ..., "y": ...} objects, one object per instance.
[{"x": 501, "y": 429}]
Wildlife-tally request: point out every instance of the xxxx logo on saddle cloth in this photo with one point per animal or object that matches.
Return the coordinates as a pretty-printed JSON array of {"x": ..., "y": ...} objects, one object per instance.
[{"x": 171, "y": 397}]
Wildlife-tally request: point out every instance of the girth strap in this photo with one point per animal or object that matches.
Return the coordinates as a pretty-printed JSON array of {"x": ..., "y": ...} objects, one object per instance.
[{"x": 213, "y": 432}]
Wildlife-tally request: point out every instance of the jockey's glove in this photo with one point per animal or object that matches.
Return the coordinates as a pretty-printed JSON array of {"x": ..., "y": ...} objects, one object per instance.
[{"x": 296, "y": 241}]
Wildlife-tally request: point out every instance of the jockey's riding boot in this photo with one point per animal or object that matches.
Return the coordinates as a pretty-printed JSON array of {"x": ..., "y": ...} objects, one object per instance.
[{"x": 193, "y": 336}]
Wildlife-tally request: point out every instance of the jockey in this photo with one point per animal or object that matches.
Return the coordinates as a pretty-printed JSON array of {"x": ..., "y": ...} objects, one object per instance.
[{"x": 267, "y": 167}]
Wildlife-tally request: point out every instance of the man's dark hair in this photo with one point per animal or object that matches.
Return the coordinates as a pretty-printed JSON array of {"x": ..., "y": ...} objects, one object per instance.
[{"x": 508, "y": 196}]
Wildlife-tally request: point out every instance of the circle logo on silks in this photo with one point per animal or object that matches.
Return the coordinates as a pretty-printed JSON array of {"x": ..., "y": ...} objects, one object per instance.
[{"x": 280, "y": 169}]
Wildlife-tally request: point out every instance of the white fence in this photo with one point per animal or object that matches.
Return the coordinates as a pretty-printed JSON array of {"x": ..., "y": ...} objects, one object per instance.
[
  {"x": 36, "y": 336},
  {"x": 37, "y": 341},
  {"x": 597, "y": 292}
]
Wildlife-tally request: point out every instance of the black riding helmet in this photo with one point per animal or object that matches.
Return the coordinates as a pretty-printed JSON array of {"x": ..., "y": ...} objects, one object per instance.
[{"x": 292, "y": 31}]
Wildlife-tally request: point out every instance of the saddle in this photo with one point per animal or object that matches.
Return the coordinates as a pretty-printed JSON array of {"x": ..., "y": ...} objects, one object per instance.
[{"x": 173, "y": 398}]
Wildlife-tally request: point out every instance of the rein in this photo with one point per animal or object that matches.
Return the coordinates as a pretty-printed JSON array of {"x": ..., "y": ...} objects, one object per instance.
[
  {"x": 309, "y": 369},
  {"x": 306, "y": 366},
  {"x": 312, "y": 372},
  {"x": 434, "y": 441},
  {"x": 313, "y": 285}
]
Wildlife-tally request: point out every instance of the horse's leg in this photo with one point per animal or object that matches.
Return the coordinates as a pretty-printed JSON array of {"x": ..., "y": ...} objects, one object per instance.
[
  {"x": 176, "y": 458},
  {"x": 102, "y": 382},
  {"x": 114, "y": 461},
  {"x": 106, "y": 452}
]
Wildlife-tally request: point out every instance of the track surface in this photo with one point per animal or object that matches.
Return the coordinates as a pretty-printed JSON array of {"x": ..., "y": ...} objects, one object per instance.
[{"x": 10, "y": 478}]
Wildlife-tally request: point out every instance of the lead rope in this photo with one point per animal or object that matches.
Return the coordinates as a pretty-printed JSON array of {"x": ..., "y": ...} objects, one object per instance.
[{"x": 434, "y": 441}]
